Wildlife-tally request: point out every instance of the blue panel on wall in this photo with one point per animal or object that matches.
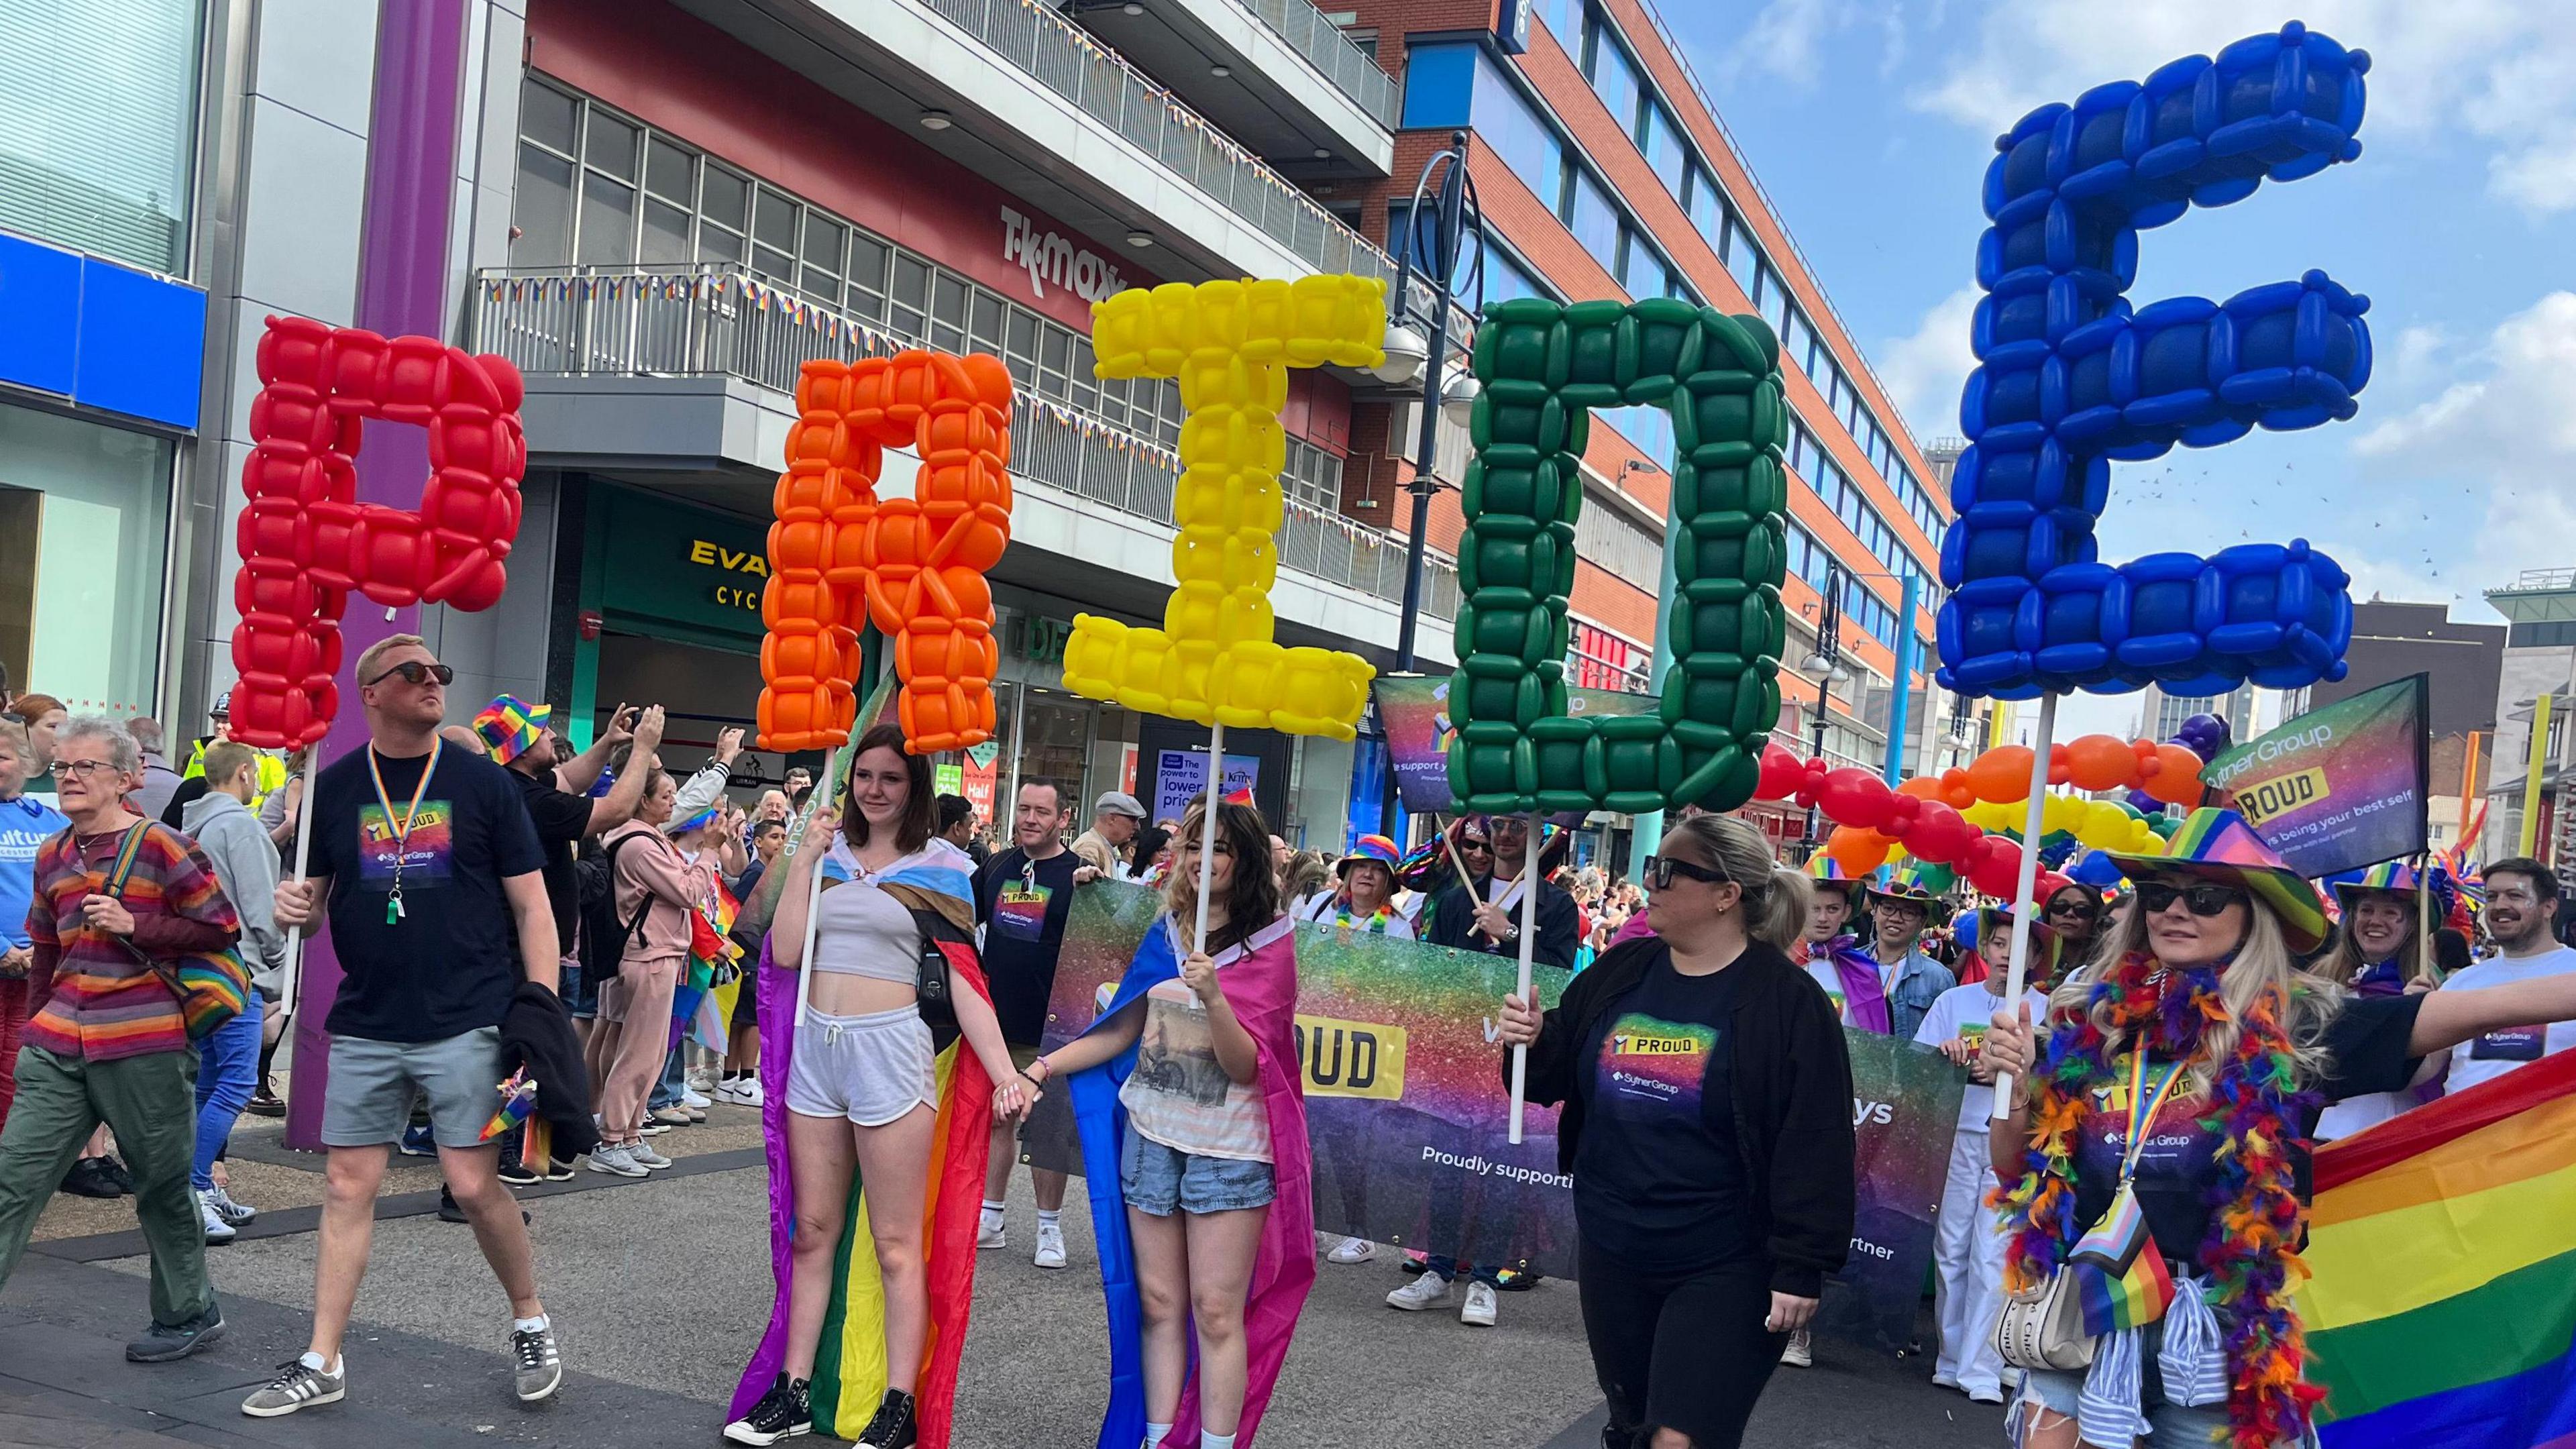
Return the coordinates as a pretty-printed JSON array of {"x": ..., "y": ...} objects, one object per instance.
[
  {"x": 1439, "y": 85},
  {"x": 142, "y": 345},
  {"x": 40, "y": 298}
]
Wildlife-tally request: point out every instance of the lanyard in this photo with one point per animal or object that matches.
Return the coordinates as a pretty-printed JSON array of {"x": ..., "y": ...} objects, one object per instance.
[
  {"x": 401, "y": 832},
  {"x": 2143, "y": 1106}
]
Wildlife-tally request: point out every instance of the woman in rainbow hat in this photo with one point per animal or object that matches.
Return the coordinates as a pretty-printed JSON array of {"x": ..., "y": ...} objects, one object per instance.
[
  {"x": 1365, "y": 903},
  {"x": 2165, "y": 1117},
  {"x": 2377, "y": 953}
]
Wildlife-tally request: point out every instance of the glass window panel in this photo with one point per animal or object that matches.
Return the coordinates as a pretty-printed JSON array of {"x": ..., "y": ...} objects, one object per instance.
[
  {"x": 825, "y": 240},
  {"x": 607, "y": 222},
  {"x": 611, "y": 145},
  {"x": 1665, "y": 149},
  {"x": 1595, "y": 221},
  {"x": 666, "y": 233},
  {"x": 1743, "y": 258},
  {"x": 725, "y": 197},
  {"x": 542, "y": 210},
  {"x": 1644, "y": 275},
  {"x": 1022, "y": 342},
  {"x": 984, "y": 325},
  {"x": 1794, "y": 339},
  {"x": 948, "y": 300},
  {"x": 778, "y": 266},
  {"x": 549, "y": 117},
  {"x": 774, "y": 221},
  {"x": 715, "y": 244},
  {"x": 1614, "y": 80},
  {"x": 1524, "y": 141},
  {"x": 670, "y": 171},
  {"x": 867, "y": 262},
  {"x": 1055, "y": 349},
  {"x": 1707, "y": 208}
]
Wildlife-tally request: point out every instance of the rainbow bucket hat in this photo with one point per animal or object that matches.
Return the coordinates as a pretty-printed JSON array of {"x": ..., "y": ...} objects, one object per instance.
[
  {"x": 509, "y": 725},
  {"x": 1371, "y": 848},
  {"x": 2219, "y": 845}
]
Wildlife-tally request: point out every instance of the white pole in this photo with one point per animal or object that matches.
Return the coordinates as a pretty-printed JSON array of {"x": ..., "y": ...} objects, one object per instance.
[
  {"x": 1529, "y": 939},
  {"x": 291, "y": 979},
  {"x": 1207, "y": 833},
  {"x": 2023, "y": 908},
  {"x": 833, "y": 771}
]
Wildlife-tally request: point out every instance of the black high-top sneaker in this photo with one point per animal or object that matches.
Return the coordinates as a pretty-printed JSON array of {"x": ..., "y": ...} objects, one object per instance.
[
  {"x": 893, "y": 1427},
  {"x": 782, "y": 1413}
]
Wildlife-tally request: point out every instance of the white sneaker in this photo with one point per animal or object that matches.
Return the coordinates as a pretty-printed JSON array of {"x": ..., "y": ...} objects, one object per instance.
[
  {"x": 615, "y": 1160},
  {"x": 1801, "y": 1351},
  {"x": 646, "y": 1158},
  {"x": 990, "y": 1232},
  {"x": 691, "y": 1097},
  {"x": 234, "y": 1212},
  {"x": 1428, "y": 1291},
  {"x": 701, "y": 1080},
  {"x": 1478, "y": 1310},
  {"x": 217, "y": 1230},
  {"x": 744, "y": 1091},
  {"x": 1050, "y": 1245},
  {"x": 1352, "y": 1250}
]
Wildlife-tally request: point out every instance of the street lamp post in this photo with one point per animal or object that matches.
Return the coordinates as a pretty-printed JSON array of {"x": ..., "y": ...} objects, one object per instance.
[
  {"x": 1826, "y": 661},
  {"x": 1432, "y": 243}
]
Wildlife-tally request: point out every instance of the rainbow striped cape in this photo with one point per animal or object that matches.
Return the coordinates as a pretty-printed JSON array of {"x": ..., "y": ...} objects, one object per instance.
[
  {"x": 1260, "y": 983},
  {"x": 850, "y": 1366},
  {"x": 2443, "y": 1244}
]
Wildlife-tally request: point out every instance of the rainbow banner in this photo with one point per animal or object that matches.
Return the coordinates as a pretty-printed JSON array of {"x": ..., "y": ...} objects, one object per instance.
[
  {"x": 2340, "y": 787},
  {"x": 2442, "y": 1310},
  {"x": 1409, "y": 1116},
  {"x": 1414, "y": 710}
]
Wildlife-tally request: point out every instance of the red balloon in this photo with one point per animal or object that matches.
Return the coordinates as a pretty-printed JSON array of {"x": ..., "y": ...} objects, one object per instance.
[
  {"x": 1854, "y": 796},
  {"x": 1782, "y": 773},
  {"x": 1993, "y": 864},
  {"x": 1940, "y": 835}
]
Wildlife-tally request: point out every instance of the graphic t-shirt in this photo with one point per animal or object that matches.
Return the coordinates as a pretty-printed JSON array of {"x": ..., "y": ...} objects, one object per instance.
[
  {"x": 561, "y": 819},
  {"x": 2484, "y": 1058},
  {"x": 1966, "y": 1011},
  {"x": 1823, "y": 972},
  {"x": 1659, "y": 1181},
  {"x": 450, "y": 962},
  {"x": 1179, "y": 1094},
  {"x": 2365, "y": 1048},
  {"x": 26, "y": 823},
  {"x": 1022, "y": 904}
]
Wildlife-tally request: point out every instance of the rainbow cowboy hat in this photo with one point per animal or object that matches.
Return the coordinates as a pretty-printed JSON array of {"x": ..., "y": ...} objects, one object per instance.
[
  {"x": 2219, "y": 845},
  {"x": 1828, "y": 874},
  {"x": 1906, "y": 886}
]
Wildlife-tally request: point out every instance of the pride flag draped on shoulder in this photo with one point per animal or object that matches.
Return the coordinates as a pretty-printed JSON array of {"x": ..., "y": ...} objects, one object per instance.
[
  {"x": 1260, "y": 982},
  {"x": 850, "y": 1362},
  {"x": 2443, "y": 1244}
]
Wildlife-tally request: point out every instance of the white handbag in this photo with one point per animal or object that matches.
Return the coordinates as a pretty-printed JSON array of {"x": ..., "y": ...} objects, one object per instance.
[{"x": 2043, "y": 1327}]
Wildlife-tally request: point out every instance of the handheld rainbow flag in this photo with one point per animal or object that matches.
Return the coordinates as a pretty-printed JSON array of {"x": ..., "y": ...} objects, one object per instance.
[
  {"x": 702, "y": 1008},
  {"x": 2442, "y": 1310}
]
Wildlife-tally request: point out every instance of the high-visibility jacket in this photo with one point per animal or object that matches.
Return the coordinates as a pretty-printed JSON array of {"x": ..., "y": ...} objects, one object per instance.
[{"x": 272, "y": 771}]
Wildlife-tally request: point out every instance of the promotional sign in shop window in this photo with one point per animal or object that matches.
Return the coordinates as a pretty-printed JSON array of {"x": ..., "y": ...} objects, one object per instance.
[{"x": 684, "y": 565}]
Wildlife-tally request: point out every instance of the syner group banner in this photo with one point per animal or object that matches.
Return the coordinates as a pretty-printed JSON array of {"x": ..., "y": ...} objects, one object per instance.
[
  {"x": 2340, "y": 787},
  {"x": 1409, "y": 1117}
]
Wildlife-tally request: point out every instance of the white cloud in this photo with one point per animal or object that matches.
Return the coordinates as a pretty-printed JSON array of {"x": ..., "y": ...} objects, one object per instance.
[
  {"x": 1784, "y": 38},
  {"x": 2505, "y": 70},
  {"x": 1925, "y": 370}
]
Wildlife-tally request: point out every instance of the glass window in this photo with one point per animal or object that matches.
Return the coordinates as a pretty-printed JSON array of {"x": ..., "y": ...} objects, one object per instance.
[
  {"x": 666, "y": 234},
  {"x": 607, "y": 218},
  {"x": 1743, "y": 258},
  {"x": 715, "y": 244},
  {"x": 550, "y": 118},
  {"x": 1665, "y": 149},
  {"x": 825, "y": 242},
  {"x": 1517, "y": 133},
  {"x": 98, "y": 139},
  {"x": 1643, "y": 275},
  {"x": 610, "y": 145},
  {"x": 1795, "y": 338},
  {"x": 1594, "y": 220},
  {"x": 670, "y": 171},
  {"x": 724, "y": 198},
  {"x": 1707, "y": 209},
  {"x": 909, "y": 301},
  {"x": 542, "y": 210},
  {"x": 1613, "y": 78},
  {"x": 1774, "y": 301},
  {"x": 84, "y": 525}
]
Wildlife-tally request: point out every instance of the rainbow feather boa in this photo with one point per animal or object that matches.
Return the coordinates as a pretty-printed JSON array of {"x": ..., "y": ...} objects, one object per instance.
[{"x": 2257, "y": 1222}]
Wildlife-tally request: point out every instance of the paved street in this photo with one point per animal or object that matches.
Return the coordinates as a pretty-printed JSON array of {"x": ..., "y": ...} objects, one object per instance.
[{"x": 659, "y": 1286}]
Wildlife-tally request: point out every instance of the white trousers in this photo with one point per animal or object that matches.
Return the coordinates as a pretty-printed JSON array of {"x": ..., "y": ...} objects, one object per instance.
[{"x": 1968, "y": 1276}]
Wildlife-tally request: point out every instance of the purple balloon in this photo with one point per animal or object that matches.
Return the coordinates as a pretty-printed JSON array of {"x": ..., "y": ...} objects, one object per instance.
[{"x": 2205, "y": 735}]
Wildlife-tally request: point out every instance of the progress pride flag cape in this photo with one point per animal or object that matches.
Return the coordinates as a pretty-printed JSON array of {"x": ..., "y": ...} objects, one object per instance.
[
  {"x": 1259, "y": 979},
  {"x": 850, "y": 1360}
]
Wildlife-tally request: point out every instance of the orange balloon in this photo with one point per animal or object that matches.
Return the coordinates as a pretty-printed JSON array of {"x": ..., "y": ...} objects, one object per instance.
[
  {"x": 2100, "y": 762},
  {"x": 2177, "y": 777},
  {"x": 1921, "y": 787},
  {"x": 1858, "y": 851},
  {"x": 2001, "y": 775}
]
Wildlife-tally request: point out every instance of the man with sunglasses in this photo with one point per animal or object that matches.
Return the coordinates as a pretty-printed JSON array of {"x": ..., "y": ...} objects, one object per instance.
[
  {"x": 2521, "y": 916},
  {"x": 1486, "y": 916},
  {"x": 430, "y": 874}
]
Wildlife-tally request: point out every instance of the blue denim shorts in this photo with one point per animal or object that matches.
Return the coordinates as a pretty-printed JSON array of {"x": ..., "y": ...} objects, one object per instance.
[
  {"x": 1157, "y": 1179},
  {"x": 580, "y": 992},
  {"x": 2172, "y": 1425}
]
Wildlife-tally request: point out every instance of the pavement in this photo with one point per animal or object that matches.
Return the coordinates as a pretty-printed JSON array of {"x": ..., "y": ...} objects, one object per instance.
[{"x": 659, "y": 1287}]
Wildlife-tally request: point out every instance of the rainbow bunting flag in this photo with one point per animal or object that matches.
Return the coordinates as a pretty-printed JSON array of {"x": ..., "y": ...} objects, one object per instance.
[
  {"x": 2442, "y": 1310},
  {"x": 2120, "y": 1277}
]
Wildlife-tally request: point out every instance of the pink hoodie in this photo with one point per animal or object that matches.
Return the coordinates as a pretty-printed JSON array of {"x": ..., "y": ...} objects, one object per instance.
[{"x": 655, "y": 867}]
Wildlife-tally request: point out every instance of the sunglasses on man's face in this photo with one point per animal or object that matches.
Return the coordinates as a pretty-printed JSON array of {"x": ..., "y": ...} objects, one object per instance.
[
  {"x": 1660, "y": 870},
  {"x": 414, "y": 672},
  {"x": 2201, "y": 900}
]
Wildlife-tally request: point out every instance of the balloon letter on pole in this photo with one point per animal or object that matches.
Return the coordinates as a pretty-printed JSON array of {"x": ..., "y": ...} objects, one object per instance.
[
  {"x": 2072, "y": 378},
  {"x": 1215, "y": 660},
  {"x": 1544, "y": 366},
  {"x": 306, "y": 543},
  {"x": 839, "y": 556}
]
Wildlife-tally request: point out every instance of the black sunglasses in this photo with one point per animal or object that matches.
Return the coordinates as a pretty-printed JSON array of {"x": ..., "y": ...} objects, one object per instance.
[
  {"x": 2082, "y": 908},
  {"x": 1660, "y": 870},
  {"x": 415, "y": 672},
  {"x": 2203, "y": 900},
  {"x": 1467, "y": 845}
]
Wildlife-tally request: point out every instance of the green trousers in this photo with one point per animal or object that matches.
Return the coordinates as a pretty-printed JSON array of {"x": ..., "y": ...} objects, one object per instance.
[{"x": 150, "y": 1103}]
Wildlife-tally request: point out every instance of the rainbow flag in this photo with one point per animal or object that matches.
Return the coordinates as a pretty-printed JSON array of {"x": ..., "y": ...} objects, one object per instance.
[
  {"x": 2442, "y": 1310},
  {"x": 2120, "y": 1277},
  {"x": 702, "y": 1006}
]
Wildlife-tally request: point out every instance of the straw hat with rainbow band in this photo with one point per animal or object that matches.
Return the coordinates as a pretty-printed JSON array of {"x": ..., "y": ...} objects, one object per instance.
[
  {"x": 2219, "y": 845},
  {"x": 1908, "y": 887},
  {"x": 509, "y": 725},
  {"x": 1367, "y": 849},
  {"x": 1827, "y": 873}
]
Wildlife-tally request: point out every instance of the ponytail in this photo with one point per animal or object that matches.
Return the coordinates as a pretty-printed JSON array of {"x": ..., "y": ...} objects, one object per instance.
[
  {"x": 1775, "y": 898},
  {"x": 1777, "y": 917}
]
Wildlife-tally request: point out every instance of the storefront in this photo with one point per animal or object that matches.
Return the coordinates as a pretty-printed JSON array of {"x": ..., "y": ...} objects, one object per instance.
[{"x": 84, "y": 537}]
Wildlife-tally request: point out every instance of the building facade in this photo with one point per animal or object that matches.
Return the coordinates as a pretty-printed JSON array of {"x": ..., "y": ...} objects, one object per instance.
[{"x": 2539, "y": 660}]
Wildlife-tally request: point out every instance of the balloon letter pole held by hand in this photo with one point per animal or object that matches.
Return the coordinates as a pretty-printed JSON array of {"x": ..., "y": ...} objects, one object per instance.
[
  {"x": 291, "y": 977},
  {"x": 1529, "y": 936},
  {"x": 2024, "y": 909}
]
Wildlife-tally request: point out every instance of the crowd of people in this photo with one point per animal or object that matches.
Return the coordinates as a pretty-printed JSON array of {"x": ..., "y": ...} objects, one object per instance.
[{"x": 506, "y": 908}]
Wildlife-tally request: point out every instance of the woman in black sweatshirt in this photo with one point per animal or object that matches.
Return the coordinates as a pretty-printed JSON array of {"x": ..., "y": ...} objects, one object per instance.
[{"x": 1707, "y": 1123}]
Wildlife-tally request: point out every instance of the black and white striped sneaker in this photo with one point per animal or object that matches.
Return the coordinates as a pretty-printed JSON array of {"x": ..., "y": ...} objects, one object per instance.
[{"x": 298, "y": 1385}]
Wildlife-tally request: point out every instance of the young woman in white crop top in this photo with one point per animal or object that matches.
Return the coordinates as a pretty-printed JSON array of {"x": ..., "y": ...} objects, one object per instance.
[{"x": 861, "y": 1090}]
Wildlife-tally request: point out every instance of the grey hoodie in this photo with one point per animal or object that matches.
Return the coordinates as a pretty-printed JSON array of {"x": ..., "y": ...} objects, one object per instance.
[{"x": 246, "y": 867}]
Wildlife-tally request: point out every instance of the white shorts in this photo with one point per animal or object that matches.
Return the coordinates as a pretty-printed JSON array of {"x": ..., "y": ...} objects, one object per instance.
[{"x": 870, "y": 1069}]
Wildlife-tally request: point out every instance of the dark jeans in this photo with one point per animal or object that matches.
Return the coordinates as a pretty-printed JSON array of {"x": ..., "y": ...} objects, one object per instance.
[{"x": 1679, "y": 1351}]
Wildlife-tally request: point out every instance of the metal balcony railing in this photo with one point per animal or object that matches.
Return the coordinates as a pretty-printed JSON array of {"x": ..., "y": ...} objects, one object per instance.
[
  {"x": 718, "y": 320},
  {"x": 1353, "y": 71},
  {"x": 1069, "y": 61}
]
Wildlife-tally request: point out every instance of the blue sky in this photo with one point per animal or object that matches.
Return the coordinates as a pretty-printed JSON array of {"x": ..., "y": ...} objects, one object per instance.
[{"x": 1870, "y": 123}]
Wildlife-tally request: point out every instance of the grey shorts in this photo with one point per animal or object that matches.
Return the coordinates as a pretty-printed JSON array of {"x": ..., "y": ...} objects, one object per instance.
[
  {"x": 870, "y": 1069},
  {"x": 372, "y": 1084},
  {"x": 1158, "y": 1179}
]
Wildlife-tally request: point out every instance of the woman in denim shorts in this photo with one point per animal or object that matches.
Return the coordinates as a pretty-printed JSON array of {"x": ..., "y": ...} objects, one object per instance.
[{"x": 1195, "y": 1163}]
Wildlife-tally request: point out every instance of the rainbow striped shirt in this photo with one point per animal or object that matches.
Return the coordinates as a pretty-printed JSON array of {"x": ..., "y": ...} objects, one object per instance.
[{"x": 91, "y": 997}]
